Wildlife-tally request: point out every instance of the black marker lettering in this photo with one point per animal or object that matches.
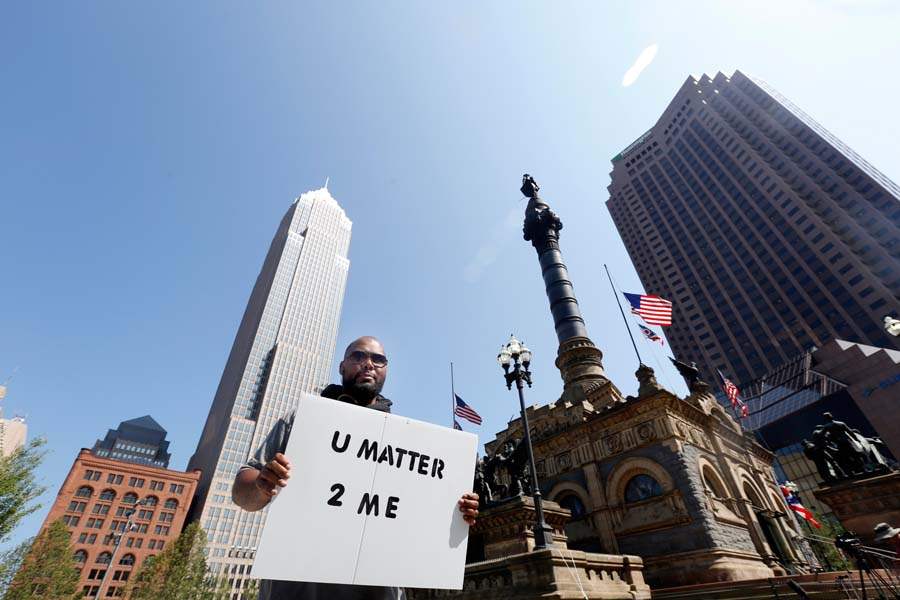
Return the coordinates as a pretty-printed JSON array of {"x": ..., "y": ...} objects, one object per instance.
[
  {"x": 412, "y": 459},
  {"x": 334, "y": 444},
  {"x": 390, "y": 511},
  {"x": 423, "y": 464},
  {"x": 387, "y": 455},
  {"x": 437, "y": 468},
  {"x": 400, "y": 453},
  {"x": 369, "y": 504},
  {"x": 338, "y": 490},
  {"x": 371, "y": 451}
]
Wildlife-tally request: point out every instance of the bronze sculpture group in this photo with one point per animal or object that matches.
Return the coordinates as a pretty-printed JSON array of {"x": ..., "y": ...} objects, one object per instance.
[
  {"x": 840, "y": 452},
  {"x": 504, "y": 475}
]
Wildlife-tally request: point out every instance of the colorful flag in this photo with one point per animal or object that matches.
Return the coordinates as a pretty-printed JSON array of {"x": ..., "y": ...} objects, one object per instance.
[
  {"x": 466, "y": 412},
  {"x": 731, "y": 390},
  {"x": 456, "y": 425},
  {"x": 794, "y": 504},
  {"x": 745, "y": 410},
  {"x": 651, "y": 335},
  {"x": 653, "y": 309}
]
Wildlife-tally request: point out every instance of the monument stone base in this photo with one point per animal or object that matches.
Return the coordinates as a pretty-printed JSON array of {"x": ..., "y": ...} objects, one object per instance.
[
  {"x": 860, "y": 504},
  {"x": 513, "y": 570}
]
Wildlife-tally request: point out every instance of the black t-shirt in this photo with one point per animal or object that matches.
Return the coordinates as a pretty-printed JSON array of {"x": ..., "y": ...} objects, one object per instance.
[{"x": 275, "y": 442}]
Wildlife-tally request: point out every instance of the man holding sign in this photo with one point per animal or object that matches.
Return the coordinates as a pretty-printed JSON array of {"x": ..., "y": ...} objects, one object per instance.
[{"x": 363, "y": 371}]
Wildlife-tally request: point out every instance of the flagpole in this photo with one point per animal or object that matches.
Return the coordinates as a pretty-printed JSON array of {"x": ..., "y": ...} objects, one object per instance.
[
  {"x": 619, "y": 304},
  {"x": 452, "y": 398}
]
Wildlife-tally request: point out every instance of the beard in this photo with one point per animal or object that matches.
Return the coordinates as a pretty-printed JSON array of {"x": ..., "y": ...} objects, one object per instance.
[{"x": 362, "y": 392}]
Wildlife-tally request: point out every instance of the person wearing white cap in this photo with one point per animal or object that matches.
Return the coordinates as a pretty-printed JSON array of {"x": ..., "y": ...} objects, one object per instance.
[{"x": 889, "y": 536}]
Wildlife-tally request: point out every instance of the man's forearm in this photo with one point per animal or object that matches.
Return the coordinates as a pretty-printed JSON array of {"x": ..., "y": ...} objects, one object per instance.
[{"x": 245, "y": 493}]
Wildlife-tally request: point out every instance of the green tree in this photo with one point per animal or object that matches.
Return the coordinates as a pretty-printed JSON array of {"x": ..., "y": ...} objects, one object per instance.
[
  {"x": 48, "y": 569},
  {"x": 179, "y": 572},
  {"x": 10, "y": 561},
  {"x": 18, "y": 486}
]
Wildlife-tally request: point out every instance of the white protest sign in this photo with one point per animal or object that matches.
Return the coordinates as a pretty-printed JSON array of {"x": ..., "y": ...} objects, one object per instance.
[{"x": 372, "y": 500}]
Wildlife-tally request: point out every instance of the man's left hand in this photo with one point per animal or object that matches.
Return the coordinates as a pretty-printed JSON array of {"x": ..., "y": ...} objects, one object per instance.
[{"x": 468, "y": 506}]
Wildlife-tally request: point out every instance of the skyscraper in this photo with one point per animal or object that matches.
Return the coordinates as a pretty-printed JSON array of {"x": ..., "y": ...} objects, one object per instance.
[
  {"x": 284, "y": 347},
  {"x": 140, "y": 440},
  {"x": 767, "y": 232},
  {"x": 13, "y": 432}
]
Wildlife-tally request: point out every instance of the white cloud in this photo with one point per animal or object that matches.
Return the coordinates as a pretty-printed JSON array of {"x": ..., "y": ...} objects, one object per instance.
[{"x": 643, "y": 61}]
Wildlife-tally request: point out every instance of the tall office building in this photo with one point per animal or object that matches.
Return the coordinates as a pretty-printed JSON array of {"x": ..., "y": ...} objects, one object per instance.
[
  {"x": 768, "y": 234},
  {"x": 140, "y": 440},
  {"x": 284, "y": 347},
  {"x": 13, "y": 432}
]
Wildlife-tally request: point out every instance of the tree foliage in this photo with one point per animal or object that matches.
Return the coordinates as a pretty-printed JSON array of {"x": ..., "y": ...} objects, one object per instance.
[
  {"x": 48, "y": 569},
  {"x": 179, "y": 572},
  {"x": 18, "y": 485},
  {"x": 10, "y": 561}
]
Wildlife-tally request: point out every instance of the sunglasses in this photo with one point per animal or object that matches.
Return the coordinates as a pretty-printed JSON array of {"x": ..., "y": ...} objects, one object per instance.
[{"x": 379, "y": 361}]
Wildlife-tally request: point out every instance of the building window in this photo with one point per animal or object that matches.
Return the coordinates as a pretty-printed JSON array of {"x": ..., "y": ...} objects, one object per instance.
[
  {"x": 574, "y": 504},
  {"x": 104, "y": 558},
  {"x": 80, "y": 556},
  {"x": 130, "y": 498},
  {"x": 84, "y": 491},
  {"x": 151, "y": 500},
  {"x": 92, "y": 475},
  {"x": 128, "y": 559},
  {"x": 171, "y": 504},
  {"x": 642, "y": 487},
  {"x": 71, "y": 520}
]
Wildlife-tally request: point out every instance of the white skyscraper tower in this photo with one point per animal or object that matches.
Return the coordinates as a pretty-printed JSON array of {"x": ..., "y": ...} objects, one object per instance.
[{"x": 284, "y": 347}]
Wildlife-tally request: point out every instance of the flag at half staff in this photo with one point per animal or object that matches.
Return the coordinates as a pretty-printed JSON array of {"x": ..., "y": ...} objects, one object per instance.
[
  {"x": 466, "y": 412},
  {"x": 651, "y": 335},
  {"x": 653, "y": 309}
]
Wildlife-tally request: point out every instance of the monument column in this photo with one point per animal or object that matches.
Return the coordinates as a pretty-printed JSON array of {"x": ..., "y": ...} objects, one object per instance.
[{"x": 579, "y": 361}]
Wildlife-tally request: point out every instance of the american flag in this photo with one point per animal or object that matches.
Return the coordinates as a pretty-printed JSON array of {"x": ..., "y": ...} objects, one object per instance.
[
  {"x": 653, "y": 309},
  {"x": 794, "y": 504},
  {"x": 456, "y": 425},
  {"x": 731, "y": 390},
  {"x": 651, "y": 335},
  {"x": 466, "y": 412}
]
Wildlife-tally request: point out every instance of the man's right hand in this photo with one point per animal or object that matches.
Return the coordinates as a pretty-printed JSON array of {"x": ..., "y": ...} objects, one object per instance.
[{"x": 274, "y": 475}]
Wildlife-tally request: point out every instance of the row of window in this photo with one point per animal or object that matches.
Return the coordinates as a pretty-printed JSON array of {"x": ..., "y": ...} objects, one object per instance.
[
  {"x": 137, "y": 482},
  {"x": 109, "y": 495}
]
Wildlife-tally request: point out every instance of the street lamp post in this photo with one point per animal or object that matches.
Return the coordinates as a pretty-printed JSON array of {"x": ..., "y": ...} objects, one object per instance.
[
  {"x": 129, "y": 526},
  {"x": 515, "y": 359}
]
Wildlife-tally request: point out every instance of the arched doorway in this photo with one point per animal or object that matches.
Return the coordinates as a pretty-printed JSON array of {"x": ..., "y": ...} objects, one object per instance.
[{"x": 769, "y": 526}]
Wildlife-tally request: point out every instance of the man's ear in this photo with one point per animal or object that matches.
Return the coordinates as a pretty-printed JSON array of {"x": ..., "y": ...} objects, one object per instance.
[{"x": 341, "y": 368}]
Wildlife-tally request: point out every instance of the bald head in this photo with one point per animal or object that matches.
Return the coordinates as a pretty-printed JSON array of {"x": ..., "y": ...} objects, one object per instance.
[
  {"x": 363, "y": 369},
  {"x": 366, "y": 340}
]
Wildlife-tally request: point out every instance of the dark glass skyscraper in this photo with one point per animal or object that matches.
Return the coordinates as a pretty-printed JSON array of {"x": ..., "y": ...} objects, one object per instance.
[
  {"x": 768, "y": 234},
  {"x": 284, "y": 347},
  {"x": 140, "y": 440}
]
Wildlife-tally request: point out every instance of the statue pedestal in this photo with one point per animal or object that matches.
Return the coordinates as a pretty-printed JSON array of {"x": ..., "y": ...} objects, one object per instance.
[
  {"x": 860, "y": 504},
  {"x": 513, "y": 570}
]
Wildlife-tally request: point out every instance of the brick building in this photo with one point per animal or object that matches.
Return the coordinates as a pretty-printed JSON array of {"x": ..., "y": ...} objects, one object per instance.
[{"x": 95, "y": 501}]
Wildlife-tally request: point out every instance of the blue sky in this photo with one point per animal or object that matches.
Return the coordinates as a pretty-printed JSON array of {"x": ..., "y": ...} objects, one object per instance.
[{"x": 149, "y": 150}]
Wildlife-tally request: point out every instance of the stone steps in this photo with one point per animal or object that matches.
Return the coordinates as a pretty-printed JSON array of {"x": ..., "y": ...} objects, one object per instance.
[{"x": 818, "y": 586}]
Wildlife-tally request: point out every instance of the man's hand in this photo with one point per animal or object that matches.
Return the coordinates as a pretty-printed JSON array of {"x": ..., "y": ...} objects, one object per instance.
[
  {"x": 468, "y": 506},
  {"x": 274, "y": 475}
]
